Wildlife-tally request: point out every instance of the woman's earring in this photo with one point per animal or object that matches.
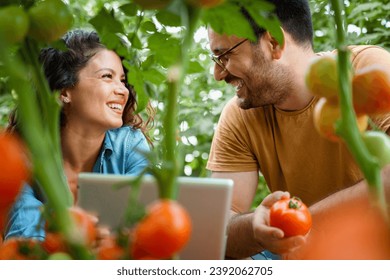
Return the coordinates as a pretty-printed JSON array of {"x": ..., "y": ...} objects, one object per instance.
[{"x": 65, "y": 100}]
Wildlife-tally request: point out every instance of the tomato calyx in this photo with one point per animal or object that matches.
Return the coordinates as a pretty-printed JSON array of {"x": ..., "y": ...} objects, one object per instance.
[{"x": 294, "y": 203}]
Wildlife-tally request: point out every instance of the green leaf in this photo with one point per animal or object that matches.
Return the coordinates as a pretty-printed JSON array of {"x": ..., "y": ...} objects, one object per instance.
[
  {"x": 195, "y": 67},
  {"x": 129, "y": 9},
  {"x": 136, "y": 79},
  {"x": 154, "y": 76},
  {"x": 168, "y": 18},
  {"x": 165, "y": 48},
  {"x": 220, "y": 20},
  {"x": 105, "y": 22},
  {"x": 148, "y": 26}
]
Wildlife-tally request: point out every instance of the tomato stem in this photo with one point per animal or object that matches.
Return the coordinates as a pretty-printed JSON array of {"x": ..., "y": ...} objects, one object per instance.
[
  {"x": 347, "y": 127},
  {"x": 168, "y": 179}
]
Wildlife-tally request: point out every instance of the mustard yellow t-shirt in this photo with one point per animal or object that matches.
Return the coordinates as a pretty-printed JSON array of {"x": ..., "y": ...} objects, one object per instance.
[{"x": 286, "y": 148}]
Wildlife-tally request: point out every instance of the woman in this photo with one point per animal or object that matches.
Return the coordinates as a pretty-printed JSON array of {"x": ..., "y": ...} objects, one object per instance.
[{"x": 99, "y": 130}]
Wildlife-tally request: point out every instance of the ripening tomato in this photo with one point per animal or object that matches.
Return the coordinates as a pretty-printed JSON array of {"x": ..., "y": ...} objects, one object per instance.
[
  {"x": 321, "y": 78},
  {"x": 14, "y": 169},
  {"x": 164, "y": 231},
  {"x": 152, "y": 4},
  {"x": 378, "y": 144},
  {"x": 371, "y": 90},
  {"x": 85, "y": 224},
  {"x": 49, "y": 20},
  {"x": 54, "y": 242},
  {"x": 325, "y": 116},
  {"x": 109, "y": 249},
  {"x": 14, "y": 23},
  {"x": 20, "y": 249},
  {"x": 290, "y": 215}
]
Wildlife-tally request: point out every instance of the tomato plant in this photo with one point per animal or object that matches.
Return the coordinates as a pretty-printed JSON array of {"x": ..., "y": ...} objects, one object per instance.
[
  {"x": 14, "y": 23},
  {"x": 378, "y": 144},
  {"x": 14, "y": 168},
  {"x": 86, "y": 225},
  {"x": 325, "y": 116},
  {"x": 49, "y": 20},
  {"x": 321, "y": 78},
  {"x": 371, "y": 90},
  {"x": 291, "y": 215},
  {"x": 54, "y": 242},
  {"x": 164, "y": 231}
]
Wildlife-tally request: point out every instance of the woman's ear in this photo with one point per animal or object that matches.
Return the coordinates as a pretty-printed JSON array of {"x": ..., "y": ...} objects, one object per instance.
[
  {"x": 65, "y": 96},
  {"x": 276, "y": 49}
]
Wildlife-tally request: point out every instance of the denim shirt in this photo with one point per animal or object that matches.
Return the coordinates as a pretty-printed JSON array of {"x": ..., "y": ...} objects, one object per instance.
[{"x": 122, "y": 152}]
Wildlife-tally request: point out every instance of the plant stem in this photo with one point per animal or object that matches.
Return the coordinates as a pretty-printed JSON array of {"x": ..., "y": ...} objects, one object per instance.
[
  {"x": 35, "y": 130},
  {"x": 347, "y": 126},
  {"x": 176, "y": 74}
]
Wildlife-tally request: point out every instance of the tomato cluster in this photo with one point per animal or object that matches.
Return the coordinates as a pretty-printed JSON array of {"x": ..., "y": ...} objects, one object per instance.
[
  {"x": 370, "y": 96},
  {"x": 163, "y": 232},
  {"x": 291, "y": 215},
  {"x": 46, "y": 21}
]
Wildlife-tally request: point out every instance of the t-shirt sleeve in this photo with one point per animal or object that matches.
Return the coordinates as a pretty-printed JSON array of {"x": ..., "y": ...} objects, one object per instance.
[
  {"x": 230, "y": 150},
  {"x": 364, "y": 56}
]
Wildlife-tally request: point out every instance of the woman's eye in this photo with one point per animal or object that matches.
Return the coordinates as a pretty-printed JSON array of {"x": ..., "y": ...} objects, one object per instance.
[{"x": 107, "y": 75}]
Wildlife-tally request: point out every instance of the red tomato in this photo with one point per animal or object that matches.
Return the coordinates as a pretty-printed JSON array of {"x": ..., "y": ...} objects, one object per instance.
[
  {"x": 163, "y": 232},
  {"x": 54, "y": 242},
  {"x": 109, "y": 249},
  {"x": 13, "y": 166},
  {"x": 20, "y": 249},
  {"x": 86, "y": 224},
  {"x": 292, "y": 216}
]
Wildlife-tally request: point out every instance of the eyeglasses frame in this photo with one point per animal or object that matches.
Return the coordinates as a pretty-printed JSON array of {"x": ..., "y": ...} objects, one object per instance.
[{"x": 217, "y": 58}]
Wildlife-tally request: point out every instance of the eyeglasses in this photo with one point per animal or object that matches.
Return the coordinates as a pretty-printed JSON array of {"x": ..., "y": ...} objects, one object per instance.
[{"x": 218, "y": 58}]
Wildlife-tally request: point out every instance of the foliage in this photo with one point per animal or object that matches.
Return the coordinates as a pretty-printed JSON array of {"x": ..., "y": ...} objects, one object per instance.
[{"x": 154, "y": 38}]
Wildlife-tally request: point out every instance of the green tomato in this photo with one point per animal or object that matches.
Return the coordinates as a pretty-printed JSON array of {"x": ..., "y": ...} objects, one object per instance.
[
  {"x": 49, "y": 20},
  {"x": 13, "y": 24},
  {"x": 378, "y": 144}
]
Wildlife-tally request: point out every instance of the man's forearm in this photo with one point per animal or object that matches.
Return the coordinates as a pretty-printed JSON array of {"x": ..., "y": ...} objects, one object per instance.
[
  {"x": 240, "y": 242},
  {"x": 352, "y": 198}
]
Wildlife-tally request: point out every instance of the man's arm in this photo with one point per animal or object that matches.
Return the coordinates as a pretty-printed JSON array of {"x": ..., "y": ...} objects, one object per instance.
[{"x": 249, "y": 232}]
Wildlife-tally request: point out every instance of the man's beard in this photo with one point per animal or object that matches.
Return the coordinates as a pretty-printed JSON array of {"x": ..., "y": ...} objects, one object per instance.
[{"x": 271, "y": 85}]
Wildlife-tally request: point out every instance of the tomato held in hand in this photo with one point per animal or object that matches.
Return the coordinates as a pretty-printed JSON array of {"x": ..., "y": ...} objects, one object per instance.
[
  {"x": 163, "y": 232},
  {"x": 49, "y": 20},
  {"x": 292, "y": 216}
]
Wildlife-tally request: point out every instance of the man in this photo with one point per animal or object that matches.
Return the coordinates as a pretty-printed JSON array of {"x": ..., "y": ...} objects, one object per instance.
[{"x": 268, "y": 127}]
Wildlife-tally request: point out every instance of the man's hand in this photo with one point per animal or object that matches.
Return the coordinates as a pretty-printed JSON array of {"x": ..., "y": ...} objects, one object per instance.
[{"x": 272, "y": 238}]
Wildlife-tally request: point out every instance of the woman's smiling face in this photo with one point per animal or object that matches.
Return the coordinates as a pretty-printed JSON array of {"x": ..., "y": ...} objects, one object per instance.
[{"x": 100, "y": 95}]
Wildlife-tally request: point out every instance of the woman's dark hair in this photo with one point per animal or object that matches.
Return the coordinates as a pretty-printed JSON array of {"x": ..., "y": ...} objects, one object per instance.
[
  {"x": 62, "y": 67},
  {"x": 294, "y": 16}
]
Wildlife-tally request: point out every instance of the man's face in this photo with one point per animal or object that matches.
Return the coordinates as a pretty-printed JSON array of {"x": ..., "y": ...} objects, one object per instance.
[{"x": 259, "y": 80}]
